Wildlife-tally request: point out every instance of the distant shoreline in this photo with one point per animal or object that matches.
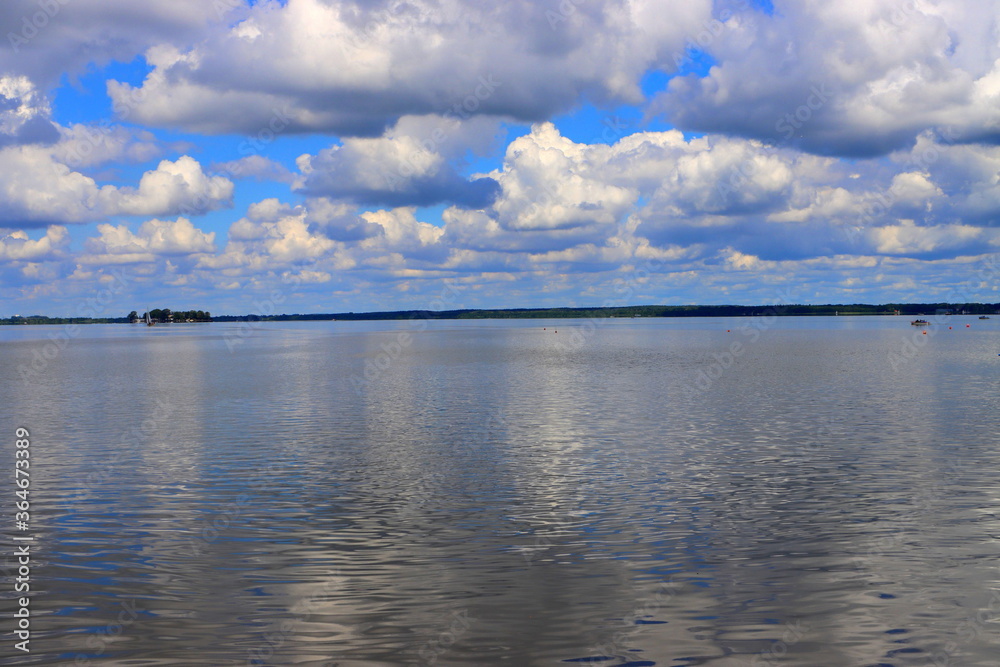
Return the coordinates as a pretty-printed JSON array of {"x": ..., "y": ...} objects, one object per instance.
[{"x": 781, "y": 310}]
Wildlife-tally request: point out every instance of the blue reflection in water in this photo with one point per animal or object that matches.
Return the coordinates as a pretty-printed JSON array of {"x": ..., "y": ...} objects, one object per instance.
[{"x": 467, "y": 493}]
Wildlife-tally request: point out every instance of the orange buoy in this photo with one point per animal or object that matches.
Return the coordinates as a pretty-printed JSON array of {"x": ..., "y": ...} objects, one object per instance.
[
  {"x": 967, "y": 326},
  {"x": 925, "y": 333},
  {"x": 949, "y": 327}
]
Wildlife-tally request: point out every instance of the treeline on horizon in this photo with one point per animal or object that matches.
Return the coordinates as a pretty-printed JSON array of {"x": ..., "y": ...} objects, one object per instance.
[
  {"x": 909, "y": 309},
  {"x": 638, "y": 311}
]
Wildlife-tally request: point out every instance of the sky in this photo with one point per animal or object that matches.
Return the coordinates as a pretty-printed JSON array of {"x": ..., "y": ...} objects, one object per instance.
[{"x": 313, "y": 156}]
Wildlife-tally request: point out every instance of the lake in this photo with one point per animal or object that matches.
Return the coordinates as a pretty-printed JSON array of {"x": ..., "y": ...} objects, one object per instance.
[{"x": 745, "y": 491}]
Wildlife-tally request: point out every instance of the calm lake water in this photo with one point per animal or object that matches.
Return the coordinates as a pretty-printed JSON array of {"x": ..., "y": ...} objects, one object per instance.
[{"x": 636, "y": 492}]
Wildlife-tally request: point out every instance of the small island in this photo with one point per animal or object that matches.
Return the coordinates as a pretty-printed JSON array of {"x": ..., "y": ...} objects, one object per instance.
[{"x": 167, "y": 316}]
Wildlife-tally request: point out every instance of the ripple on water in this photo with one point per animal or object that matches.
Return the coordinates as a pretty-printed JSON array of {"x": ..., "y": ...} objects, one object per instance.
[{"x": 490, "y": 498}]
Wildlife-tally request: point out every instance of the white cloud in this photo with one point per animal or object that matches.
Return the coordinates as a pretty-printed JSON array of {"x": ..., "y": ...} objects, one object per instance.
[
  {"x": 83, "y": 146},
  {"x": 45, "y": 40},
  {"x": 405, "y": 166},
  {"x": 967, "y": 175},
  {"x": 723, "y": 213},
  {"x": 173, "y": 187},
  {"x": 36, "y": 189},
  {"x": 25, "y": 119},
  {"x": 272, "y": 235},
  {"x": 24, "y": 113},
  {"x": 179, "y": 237},
  {"x": 855, "y": 79},
  {"x": 117, "y": 244},
  {"x": 549, "y": 182},
  {"x": 339, "y": 220},
  {"x": 400, "y": 230},
  {"x": 18, "y": 246},
  {"x": 914, "y": 188},
  {"x": 353, "y": 69},
  {"x": 909, "y": 239}
]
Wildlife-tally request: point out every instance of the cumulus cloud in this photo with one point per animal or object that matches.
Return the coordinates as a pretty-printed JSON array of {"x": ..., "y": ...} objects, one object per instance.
[
  {"x": 82, "y": 146},
  {"x": 24, "y": 114},
  {"x": 557, "y": 194},
  {"x": 932, "y": 242},
  {"x": 327, "y": 237},
  {"x": 966, "y": 176},
  {"x": 354, "y": 68},
  {"x": 694, "y": 205},
  {"x": 40, "y": 184},
  {"x": 549, "y": 182},
  {"x": 395, "y": 170},
  {"x": 338, "y": 220},
  {"x": 46, "y": 40},
  {"x": 25, "y": 119},
  {"x": 18, "y": 246},
  {"x": 649, "y": 184},
  {"x": 401, "y": 230},
  {"x": 173, "y": 187},
  {"x": 706, "y": 194},
  {"x": 117, "y": 244},
  {"x": 481, "y": 232},
  {"x": 850, "y": 79},
  {"x": 271, "y": 234},
  {"x": 36, "y": 189},
  {"x": 748, "y": 193}
]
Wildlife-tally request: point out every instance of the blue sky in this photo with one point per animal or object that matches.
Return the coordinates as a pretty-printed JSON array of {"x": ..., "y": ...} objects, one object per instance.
[{"x": 324, "y": 156}]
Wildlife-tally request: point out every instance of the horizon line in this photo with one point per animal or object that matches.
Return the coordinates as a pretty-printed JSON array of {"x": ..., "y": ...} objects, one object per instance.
[{"x": 939, "y": 305}]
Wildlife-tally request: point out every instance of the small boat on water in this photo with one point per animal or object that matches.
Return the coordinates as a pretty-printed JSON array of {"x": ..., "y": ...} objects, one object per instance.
[
  {"x": 149, "y": 320},
  {"x": 919, "y": 323},
  {"x": 983, "y": 317}
]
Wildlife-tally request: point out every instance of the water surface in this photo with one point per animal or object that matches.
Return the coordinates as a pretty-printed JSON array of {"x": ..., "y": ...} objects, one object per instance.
[{"x": 523, "y": 492}]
